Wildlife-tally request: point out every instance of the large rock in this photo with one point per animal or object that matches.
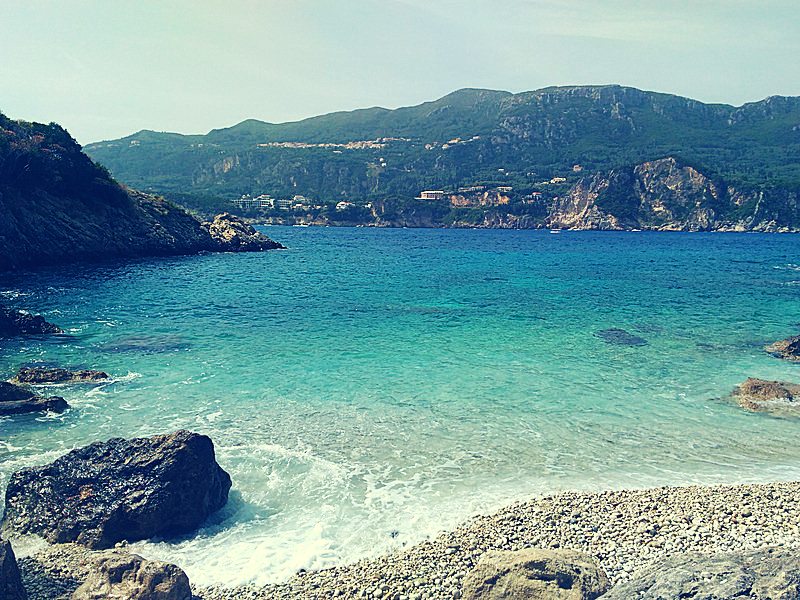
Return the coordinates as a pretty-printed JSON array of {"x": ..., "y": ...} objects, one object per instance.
[
  {"x": 15, "y": 322},
  {"x": 773, "y": 573},
  {"x": 37, "y": 376},
  {"x": 11, "y": 587},
  {"x": 104, "y": 493},
  {"x": 16, "y": 399},
  {"x": 130, "y": 577},
  {"x": 535, "y": 574},
  {"x": 788, "y": 349},
  {"x": 779, "y": 397},
  {"x": 231, "y": 234}
]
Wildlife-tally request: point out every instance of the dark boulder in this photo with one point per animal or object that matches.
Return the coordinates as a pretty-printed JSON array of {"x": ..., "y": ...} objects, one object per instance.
[
  {"x": 11, "y": 587},
  {"x": 788, "y": 349},
  {"x": 620, "y": 337},
  {"x": 16, "y": 399},
  {"x": 771, "y": 573},
  {"x": 15, "y": 322},
  {"x": 37, "y": 376},
  {"x": 104, "y": 493},
  {"x": 231, "y": 234}
]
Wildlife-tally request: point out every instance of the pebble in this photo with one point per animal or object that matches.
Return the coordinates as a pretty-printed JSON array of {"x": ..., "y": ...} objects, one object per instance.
[{"x": 623, "y": 531}]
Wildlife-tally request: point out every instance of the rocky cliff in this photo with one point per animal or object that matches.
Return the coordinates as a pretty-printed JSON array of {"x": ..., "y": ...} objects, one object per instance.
[
  {"x": 57, "y": 206},
  {"x": 668, "y": 195}
]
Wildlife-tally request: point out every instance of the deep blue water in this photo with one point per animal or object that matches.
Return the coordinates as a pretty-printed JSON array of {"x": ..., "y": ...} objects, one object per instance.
[{"x": 366, "y": 388}]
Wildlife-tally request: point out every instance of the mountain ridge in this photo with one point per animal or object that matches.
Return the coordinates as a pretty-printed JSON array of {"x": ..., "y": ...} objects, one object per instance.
[{"x": 468, "y": 138}]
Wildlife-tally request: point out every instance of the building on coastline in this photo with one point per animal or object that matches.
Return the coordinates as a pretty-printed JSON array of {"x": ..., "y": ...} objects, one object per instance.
[
  {"x": 247, "y": 202},
  {"x": 264, "y": 201}
]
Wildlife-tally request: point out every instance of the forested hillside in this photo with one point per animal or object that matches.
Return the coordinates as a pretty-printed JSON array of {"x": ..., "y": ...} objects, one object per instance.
[{"x": 538, "y": 144}]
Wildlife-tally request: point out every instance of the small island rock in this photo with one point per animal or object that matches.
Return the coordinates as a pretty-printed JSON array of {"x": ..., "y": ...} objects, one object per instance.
[
  {"x": 535, "y": 574},
  {"x": 762, "y": 395},
  {"x": 119, "y": 490},
  {"x": 788, "y": 349},
  {"x": 231, "y": 234},
  {"x": 16, "y": 399},
  {"x": 15, "y": 322},
  {"x": 36, "y": 376}
]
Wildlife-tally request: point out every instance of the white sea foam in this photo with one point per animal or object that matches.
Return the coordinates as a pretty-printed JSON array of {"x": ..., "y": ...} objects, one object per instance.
[{"x": 352, "y": 432}]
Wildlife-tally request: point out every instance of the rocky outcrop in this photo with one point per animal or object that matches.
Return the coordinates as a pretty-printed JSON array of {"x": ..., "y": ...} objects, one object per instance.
[
  {"x": 667, "y": 195},
  {"x": 16, "y": 400},
  {"x": 779, "y": 397},
  {"x": 11, "y": 587},
  {"x": 16, "y": 322},
  {"x": 231, "y": 234},
  {"x": 38, "y": 376},
  {"x": 788, "y": 349},
  {"x": 535, "y": 574},
  {"x": 119, "y": 490},
  {"x": 118, "y": 574},
  {"x": 57, "y": 206},
  {"x": 72, "y": 571},
  {"x": 772, "y": 573}
]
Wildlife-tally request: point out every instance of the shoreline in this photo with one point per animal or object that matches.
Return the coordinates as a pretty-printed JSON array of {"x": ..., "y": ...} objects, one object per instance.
[{"x": 622, "y": 530}]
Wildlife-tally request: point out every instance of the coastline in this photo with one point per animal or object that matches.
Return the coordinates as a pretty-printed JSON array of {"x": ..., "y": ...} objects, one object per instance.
[{"x": 623, "y": 531}]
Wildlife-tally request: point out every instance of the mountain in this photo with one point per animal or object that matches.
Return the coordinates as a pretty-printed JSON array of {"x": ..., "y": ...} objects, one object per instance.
[
  {"x": 58, "y": 206},
  {"x": 667, "y": 195},
  {"x": 539, "y": 142}
]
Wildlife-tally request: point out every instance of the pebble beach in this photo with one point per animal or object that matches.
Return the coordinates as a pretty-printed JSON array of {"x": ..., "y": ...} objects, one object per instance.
[{"x": 622, "y": 530}]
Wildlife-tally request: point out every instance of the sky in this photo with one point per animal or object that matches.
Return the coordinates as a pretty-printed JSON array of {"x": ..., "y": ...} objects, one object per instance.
[{"x": 105, "y": 69}]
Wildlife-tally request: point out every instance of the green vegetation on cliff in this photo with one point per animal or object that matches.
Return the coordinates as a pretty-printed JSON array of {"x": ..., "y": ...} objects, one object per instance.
[
  {"x": 470, "y": 137},
  {"x": 57, "y": 206}
]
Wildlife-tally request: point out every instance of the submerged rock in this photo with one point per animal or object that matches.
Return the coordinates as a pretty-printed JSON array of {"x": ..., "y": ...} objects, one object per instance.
[
  {"x": 535, "y": 574},
  {"x": 147, "y": 343},
  {"x": 620, "y": 337},
  {"x": 788, "y": 349},
  {"x": 772, "y": 573},
  {"x": 16, "y": 399},
  {"x": 762, "y": 395},
  {"x": 119, "y": 490},
  {"x": 36, "y": 375},
  {"x": 15, "y": 322}
]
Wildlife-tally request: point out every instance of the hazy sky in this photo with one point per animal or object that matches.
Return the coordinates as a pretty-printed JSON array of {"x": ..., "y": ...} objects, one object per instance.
[{"x": 108, "y": 68}]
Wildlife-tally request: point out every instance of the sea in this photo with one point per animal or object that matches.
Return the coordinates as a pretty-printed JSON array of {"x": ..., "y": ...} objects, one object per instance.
[{"x": 368, "y": 389}]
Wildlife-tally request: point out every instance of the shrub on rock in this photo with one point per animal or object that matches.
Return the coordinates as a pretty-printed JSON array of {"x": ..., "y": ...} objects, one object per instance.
[{"x": 104, "y": 493}]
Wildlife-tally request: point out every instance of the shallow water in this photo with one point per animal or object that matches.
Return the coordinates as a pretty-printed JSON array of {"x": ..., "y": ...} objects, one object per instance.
[{"x": 368, "y": 388}]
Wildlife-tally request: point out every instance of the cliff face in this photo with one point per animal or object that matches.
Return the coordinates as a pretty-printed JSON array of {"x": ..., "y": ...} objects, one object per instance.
[
  {"x": 57, "y": 206},
  {"x": 669, "y": 196}
]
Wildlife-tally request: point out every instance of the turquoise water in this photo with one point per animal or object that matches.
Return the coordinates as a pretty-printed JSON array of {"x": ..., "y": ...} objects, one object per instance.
[{"x": 368, "y": 388}]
